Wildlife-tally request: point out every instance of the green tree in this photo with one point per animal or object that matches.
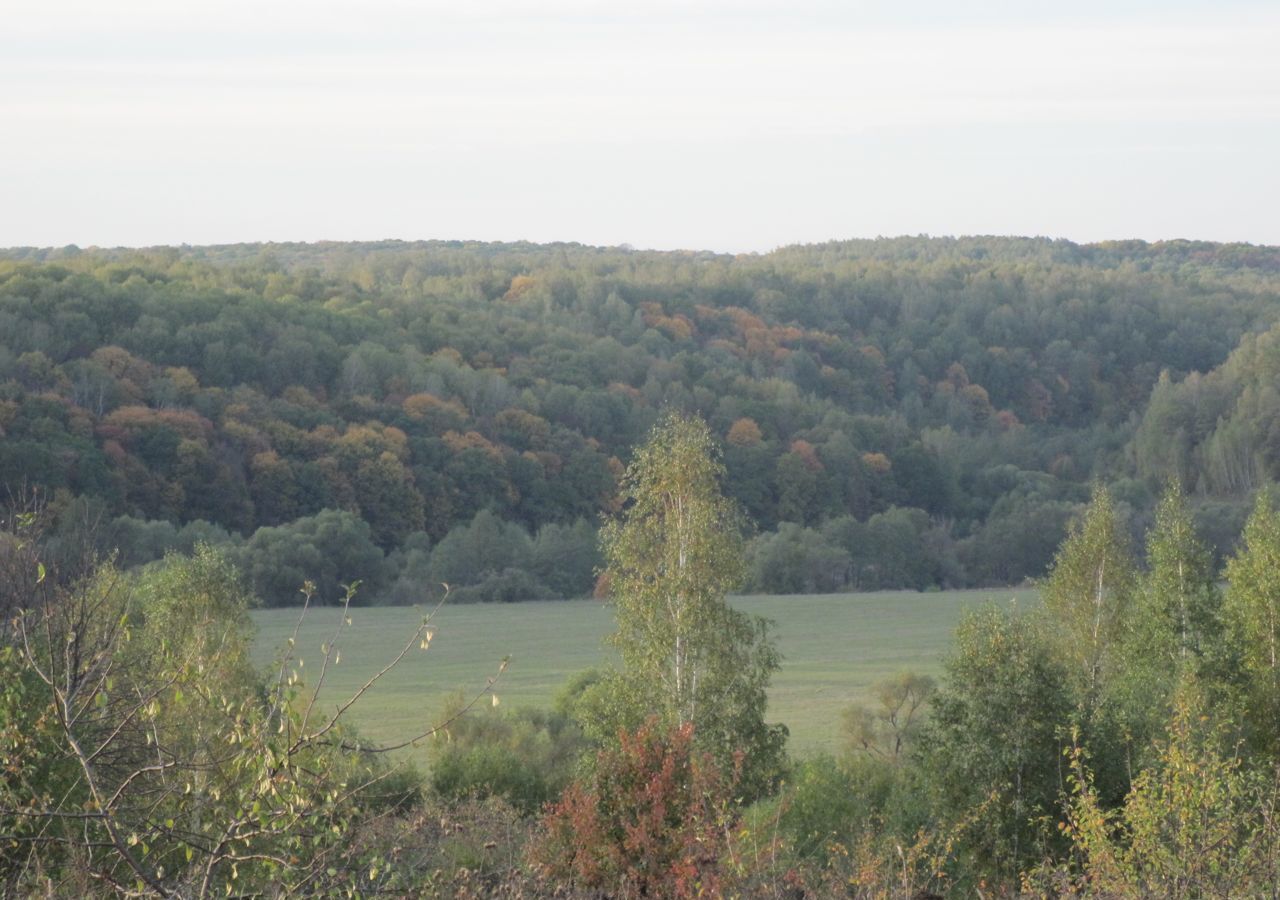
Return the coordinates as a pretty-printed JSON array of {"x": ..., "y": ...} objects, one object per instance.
[
  {"x": 527, "y": 756},
  {"x": 993, "y": 742},
  {"x": 565, "y": 558},
  {"x": 1089, "y": 601},
  {"x": 1088, "y": 595},
  {"x": 796, "y": 485},
  {"x": 796, "y": 560},
  {"x": 330, "y": 549},
  {"x": 1175, "y": 628},
  {"x": 486, "y": 560},
  {"x": 687, "y": 656},
  {"x": 389, "y": 500},
  {"x": 888, "y": 730},
  {"x": 1179, "y": 601},
  {"x": 1252, "y": 607}
]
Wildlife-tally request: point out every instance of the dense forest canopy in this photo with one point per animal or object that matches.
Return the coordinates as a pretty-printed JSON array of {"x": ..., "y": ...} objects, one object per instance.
[
  {"x": 894, "y": 413},
  {"x": 897, "y": 413}
]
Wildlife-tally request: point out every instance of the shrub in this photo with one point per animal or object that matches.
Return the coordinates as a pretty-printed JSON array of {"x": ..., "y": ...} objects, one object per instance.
[
  {"x": 651, "y": 820},
  {"x": 507, "y": 586},
  {"x": 526, "y": 757}
]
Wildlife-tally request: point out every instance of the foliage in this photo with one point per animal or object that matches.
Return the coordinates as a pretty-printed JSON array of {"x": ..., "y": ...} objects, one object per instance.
[
  {"x": 831, "y": 803},
  {"x": 796, "y": 560},
  {"x": 449, "y": 850},
  {"x": 889, "y": 729},
  {"x": 507, "y": 586},
  {"x": 330, "y": 549},
  {"x": 486, "y": 547},
  {"x": 823, "y": 803},
  {"x": 1177, "y": 623},
  {"x": 897, "y": 548},
  {"x": 903, "y": 413},
  {"x": 565, "y": 558},
  {"x": 1088, "y": 597},
  {"x": 1252, "y": 608},
  {"x": 851, "y": 828},
  {"x": 1018, "y": 539},
  {"x": 651, "y": 819},
  {"x": 1214, "y": 431},
  {"x": 527, "y": 757},
  {"x": 686, "y": 654},
  {"x": 1199, "y": 823},
  {"x": 992, "y": 745},
  {"x": 144, "y": 755},
  {"x": 415, "y": 385},
  {"x": 1179, "y": 595},
  {"x": 492, "y": 560}
]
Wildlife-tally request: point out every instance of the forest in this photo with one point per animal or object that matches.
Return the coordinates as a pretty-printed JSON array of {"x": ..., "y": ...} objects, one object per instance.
[
  {"x": 189, "y": 433},
  {"x": 897, "y": 413}
]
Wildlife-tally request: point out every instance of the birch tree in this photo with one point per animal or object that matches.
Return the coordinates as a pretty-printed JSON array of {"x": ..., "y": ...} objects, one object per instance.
[
  {"x": 1088, "y": 596},
  {"x": 671, "y": 557},
  {"x": 1179, "y": 599},
  {"x": 1175, "y": 630},
  {"x": 1252, "y": 606}
]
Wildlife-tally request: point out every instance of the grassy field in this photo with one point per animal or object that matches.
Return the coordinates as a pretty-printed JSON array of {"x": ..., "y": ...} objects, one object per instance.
[{"x": 834, "y": 648}]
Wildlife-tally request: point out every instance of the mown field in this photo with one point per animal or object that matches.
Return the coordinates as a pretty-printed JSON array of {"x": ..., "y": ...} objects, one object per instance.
[{"x": 834, "y": 646}]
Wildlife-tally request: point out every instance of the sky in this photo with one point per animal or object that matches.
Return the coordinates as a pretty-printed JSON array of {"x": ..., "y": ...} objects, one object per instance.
[{"x": 699, "y": 124}]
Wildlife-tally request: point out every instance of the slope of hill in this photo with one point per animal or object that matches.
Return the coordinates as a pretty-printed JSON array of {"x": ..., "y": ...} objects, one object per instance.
[{"x": 896, "y": 413}]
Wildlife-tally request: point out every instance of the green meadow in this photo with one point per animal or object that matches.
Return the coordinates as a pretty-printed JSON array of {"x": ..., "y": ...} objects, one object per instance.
[{"x": 834, "y": 647}]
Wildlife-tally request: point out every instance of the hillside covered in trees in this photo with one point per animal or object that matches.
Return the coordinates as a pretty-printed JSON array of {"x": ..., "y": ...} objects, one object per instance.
[{"x": 894, "y": 413}]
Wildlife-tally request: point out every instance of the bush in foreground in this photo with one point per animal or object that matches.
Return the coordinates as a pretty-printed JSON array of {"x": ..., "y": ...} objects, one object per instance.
[{"x": 652, "y": 820}]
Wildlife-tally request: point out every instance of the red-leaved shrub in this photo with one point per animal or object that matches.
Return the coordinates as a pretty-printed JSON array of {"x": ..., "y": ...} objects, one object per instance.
[{"x": 652, "y": 820}]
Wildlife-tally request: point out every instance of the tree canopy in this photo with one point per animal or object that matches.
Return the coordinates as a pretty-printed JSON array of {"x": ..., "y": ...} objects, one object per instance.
[{"x": 968, "y": 389}]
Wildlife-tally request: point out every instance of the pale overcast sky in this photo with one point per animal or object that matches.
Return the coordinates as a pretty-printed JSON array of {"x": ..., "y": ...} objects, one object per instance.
[{"x": 731, "y": 126}]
